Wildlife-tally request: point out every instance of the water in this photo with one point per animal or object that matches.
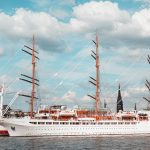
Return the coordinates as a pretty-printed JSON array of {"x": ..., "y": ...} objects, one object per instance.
[{"x": 75, "y": 143}]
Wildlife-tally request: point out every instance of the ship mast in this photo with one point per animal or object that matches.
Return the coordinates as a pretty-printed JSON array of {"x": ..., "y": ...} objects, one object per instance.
[
  {"x": 96, "y": 81},
  {"x": 33, "y": 77},
  {"x": 97, "y": 75},
  {"x": 33, "y": 80},
  {"x": 1, "y": 101},
  {"x": 147, "y": 84}
]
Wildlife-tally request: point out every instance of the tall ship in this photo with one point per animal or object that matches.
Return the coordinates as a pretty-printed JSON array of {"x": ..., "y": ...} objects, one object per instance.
[{"x": 58, "y": 120}]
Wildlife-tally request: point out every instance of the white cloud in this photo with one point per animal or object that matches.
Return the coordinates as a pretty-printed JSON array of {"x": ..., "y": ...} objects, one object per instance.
[
  {"x": 138, "y": 90},
  {"x": 116, "y": 26},
  {"x": 97, "y": 15},
  {"x": 69, "y": 95},
  {"x": 142, "y": 19},
  {"x": 59, "y": 13},
  {"x": 56, "y": 8},
  {"x": 24, "y": 23},
  {"x": 71, "y": 98},
  {"x": 6, "y": 80}
]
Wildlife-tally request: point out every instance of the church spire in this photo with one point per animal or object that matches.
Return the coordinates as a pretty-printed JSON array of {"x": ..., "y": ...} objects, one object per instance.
[
  {"x": 135, "y": 107},
  {"x": 119, "y": 100}
]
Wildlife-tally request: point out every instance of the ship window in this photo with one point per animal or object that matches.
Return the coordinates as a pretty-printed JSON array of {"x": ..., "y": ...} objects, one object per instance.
[
  {"x": 64, "y": 123},
  {"x": 74, "y": 123},
  {"x": 120, "y": 122},
  {"x": 114, "y": 123},
  {"x": 127, "y": 122},
  {"x": 93, "y": 123},
  {"x": 41, "y": 122},
  {"x": 33, "y": 122},
  {"x": 77, "y": 123},
  {"x": 133, "y": 122},
  {"x": 100, "y": 123},
  {"x": 55, "y": 122},
  {"x": 107, "y": 123},
  {"x": 85, "y": 123},
  {"x": 48, "y": 122}
]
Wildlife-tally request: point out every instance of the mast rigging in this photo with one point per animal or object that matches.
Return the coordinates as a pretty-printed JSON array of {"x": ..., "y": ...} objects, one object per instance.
[
  {"x": 96, "y": 81},
  {"x": 33, "y": 80}
]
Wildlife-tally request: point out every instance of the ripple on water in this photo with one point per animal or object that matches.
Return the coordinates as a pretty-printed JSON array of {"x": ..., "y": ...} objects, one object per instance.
[{"x": 76, "y": 143}]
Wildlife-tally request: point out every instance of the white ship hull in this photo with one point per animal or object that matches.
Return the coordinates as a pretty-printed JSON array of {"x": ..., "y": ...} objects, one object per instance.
[{"x": 25, "y": 127}]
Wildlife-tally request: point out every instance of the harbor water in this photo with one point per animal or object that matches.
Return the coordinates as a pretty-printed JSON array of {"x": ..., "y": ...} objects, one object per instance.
[{"x": 76, "y": 143}]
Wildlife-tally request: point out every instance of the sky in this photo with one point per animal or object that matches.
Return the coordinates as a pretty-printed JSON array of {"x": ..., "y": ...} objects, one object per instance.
[{"x": 64, "y": 30}]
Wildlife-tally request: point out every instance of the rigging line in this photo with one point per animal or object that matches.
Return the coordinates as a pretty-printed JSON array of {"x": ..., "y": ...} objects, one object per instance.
[
  {"x": 131, "y": 66},
  {"x": 114, "y": 93},
  {"x": 70, "y": 90},
  {"x": 112, "y": 97},
  {"x": 8, "y": 71},
  {"x": 12, "y": 68},
  {"x": 8, "y": 62},
  {"x": 61, "y": 82},
  {"x": 58, "y": 74},
  {"x": 124, "y": 84},
  {"x": 11, "y": 102},
  {"x": 110, "y": 60},
  {"x": 128, "y": 69},
  {"x": 139, "y": 58},
  {"x": 8, "y": 86},
  {"x": 68, "y": 74},
  {"x": 121, "y": 88},
  {"x": 132, "y": 76},
  {"x": 73, "y": 86},
  {"x": 75, "y": 67}
]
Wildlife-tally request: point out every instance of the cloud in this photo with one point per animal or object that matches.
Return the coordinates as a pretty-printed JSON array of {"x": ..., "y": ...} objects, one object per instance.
[
  {"x": 97, "y": 15},
  {"x": 59, "y": 13},
  {"x": 21, "y": 25},
  {"x": 57, "y": 8},
  {"x": 5, "y": 79},
  {"x": 71, "y": 99},
  {"x": 116, "y": 26}
]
